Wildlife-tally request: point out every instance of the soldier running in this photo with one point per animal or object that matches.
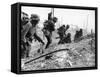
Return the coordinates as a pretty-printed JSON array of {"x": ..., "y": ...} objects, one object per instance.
[{"x": 49, "y": 27}]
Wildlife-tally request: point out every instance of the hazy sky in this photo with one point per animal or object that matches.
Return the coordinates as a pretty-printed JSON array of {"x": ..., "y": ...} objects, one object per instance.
[{"x": 81, "y": 18}]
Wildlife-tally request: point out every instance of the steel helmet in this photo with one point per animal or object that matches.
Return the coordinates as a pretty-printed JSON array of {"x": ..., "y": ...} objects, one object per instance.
[{"x": 34, "y": 17}]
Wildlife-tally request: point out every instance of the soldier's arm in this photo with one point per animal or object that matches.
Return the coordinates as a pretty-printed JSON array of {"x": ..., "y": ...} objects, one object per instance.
[
  {"x": 50, "y": 16},
  {"x": 26, "y": 29}
]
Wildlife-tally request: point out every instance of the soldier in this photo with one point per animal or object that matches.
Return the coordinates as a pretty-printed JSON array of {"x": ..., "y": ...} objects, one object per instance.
[
  {"x": 29, "y": 32},
  {"x": 78, "y": 34},
  {"x": 49, "y": 27},
  {"x": 24, "y": 29},
  {"x": 34, "y": 19},
  {"x": 62, "y": 33}
]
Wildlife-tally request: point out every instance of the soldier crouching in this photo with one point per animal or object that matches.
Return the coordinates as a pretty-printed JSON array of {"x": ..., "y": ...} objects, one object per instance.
[
  {"x": 29, "y": 32},
  {"x": 34, "y": 19}
]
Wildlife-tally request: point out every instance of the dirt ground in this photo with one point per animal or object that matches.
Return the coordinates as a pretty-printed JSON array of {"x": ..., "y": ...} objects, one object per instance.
[{"x": 77, "y": 54}]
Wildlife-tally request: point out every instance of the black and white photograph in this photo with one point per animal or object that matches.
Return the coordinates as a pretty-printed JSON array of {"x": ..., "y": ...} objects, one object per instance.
[{"x": 57, "y": 38}]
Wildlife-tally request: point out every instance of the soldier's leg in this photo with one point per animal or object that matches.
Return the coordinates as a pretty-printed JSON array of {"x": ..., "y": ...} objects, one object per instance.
[
  {"x": 28, "y": 48},
  {"x": 49, "y": 40},
  {"x": 61, "y": 39},
  {"x": 23, "y": 49}
]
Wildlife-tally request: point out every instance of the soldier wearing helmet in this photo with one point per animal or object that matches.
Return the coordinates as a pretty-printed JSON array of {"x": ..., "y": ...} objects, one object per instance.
[
  {"x": 62, "y": 33},
  {"x": 24, "y": 19},
  {"x": 49, "y": 27},
  {"x": 34, "y": 20},
  {"x": 31, "y": 34},
  {"x": 25, "y": 25}
]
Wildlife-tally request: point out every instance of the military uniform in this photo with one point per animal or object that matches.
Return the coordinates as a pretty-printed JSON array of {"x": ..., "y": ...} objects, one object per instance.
[
  {"x": 28, "y": 33},
  {"x": 48, "y": 28},
  {"x": 25, "y": 25},
  {"x": 61, "y": 31}
]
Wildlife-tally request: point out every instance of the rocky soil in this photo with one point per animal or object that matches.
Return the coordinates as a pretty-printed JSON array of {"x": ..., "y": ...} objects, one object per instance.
[{"x": 75, "y": 54}]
